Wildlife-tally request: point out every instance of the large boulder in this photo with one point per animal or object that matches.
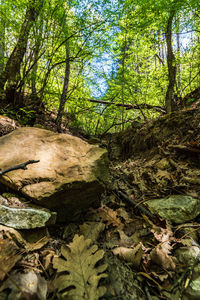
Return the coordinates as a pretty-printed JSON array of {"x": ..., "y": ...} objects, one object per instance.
[{"x": 71, "y": 173}]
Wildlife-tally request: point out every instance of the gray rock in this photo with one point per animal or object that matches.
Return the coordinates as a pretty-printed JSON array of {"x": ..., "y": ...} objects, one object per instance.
[
  {"x": 25, "y": 218},
  {"x": 188, "y": 255},
  {"x": 177, "y": 209}
]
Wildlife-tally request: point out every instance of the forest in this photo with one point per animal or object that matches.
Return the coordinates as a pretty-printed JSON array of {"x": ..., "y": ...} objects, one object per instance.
[
  {"x": 99, "y": 149},
  {"x": 102, "y": 64}
]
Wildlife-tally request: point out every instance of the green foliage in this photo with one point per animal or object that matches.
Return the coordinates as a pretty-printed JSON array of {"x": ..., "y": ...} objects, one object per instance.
[
  {"x": 22, "y": 115},
  {"x": 117, "y": 54}
]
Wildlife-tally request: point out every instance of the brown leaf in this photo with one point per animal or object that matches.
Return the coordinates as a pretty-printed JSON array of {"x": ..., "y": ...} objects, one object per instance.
[
  {"x": 14, "y": 235},
  {"x": 121, "y": 212},
  {"x": 161, "y": 253},
  {"x": 124, "y": 239},
  {"x": 164, "y": 174},
  {"x": 165, "y": 234},
  {"x": 47, "y": 257},
  {"x": 9, "y": 256},
  {"x": 130, "y": 255},
  {"x": 160, "y": 256},
  {"x": 92, "y": 230},
  {"x": 110, "y": 216},
  {"x": 38, "y": 245}
]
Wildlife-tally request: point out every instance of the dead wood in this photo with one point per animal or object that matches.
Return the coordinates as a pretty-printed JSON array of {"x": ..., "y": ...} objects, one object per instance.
[{"x": 20, "y": 166}]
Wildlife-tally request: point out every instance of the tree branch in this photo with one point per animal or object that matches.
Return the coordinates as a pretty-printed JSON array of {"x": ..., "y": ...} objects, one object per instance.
[
  {"x": 135, "y": 204},
  {"x": 21, "y": 166},
  {"x": 129, "y": 106}
]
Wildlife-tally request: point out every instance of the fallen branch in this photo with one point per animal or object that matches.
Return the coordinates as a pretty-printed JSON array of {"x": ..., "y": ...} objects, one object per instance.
[
  {"x": 135, "y": 204},
  {"x": 21, "y": 166},
  {"x": 185, "y": 148},
  {"x": 129, "y": 106}
]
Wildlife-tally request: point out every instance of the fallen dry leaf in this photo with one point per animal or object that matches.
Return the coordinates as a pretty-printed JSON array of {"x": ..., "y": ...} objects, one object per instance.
[
  {"x": 47, "y": 257},
  {"x": 121, "y": 212},
  {"x": 124, "y": 239},
  {"x": 9, "y": 256},
  {"x": 160, "y": 256},
  {"x": 164, "y": 174},
  {"x": 82, "y": 278},
  {"x": 13, "y": 234},
  {"x": 37, "y": 245},
  {"x": 92, "y": 230},
  {"x": 110, "y": 217},
  {"x": 130, "y": 255}
]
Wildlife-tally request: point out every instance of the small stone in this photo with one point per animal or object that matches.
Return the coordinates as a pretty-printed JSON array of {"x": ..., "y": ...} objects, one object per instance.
[
  {"x": 25, "y": 218},
  {"x": 187, "y": 256},
  {"x": 176, "y": 209}
]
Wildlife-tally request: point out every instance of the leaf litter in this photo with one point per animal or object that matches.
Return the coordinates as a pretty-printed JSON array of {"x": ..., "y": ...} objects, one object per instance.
[{"x": 116, "y": 251}]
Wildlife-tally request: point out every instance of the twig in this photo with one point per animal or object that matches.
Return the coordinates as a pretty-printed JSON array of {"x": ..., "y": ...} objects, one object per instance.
[
  {"x": 21, "y": 166},
  {"x": 134, "y": 204}
]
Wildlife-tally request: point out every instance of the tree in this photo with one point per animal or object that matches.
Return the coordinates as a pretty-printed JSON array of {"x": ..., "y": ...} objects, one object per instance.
[
  {"x": 2, "y": 39},
  {"x": 170, "y": 100},
  {"x": 65, "y": 88},
  {"x": 11, "y": 74}
]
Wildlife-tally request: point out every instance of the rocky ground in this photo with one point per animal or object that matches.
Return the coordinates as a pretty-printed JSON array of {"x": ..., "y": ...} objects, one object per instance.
[{"x": 143, "y": 240}]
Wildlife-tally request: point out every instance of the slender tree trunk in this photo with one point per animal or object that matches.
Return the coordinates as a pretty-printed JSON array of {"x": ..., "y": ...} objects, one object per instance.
[
  {"x": 11, "y": 74},
  {"x": 170, "y": 102},
  {"x": 38, "y": 33},
  {"x": 178, "y": 58},
  {"x": 65, "y": 89},
  {"x": 2, "y": 41}
]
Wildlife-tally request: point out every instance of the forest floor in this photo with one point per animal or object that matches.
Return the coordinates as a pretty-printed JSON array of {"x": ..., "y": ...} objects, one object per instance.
[{"x": 139, "y": 254}]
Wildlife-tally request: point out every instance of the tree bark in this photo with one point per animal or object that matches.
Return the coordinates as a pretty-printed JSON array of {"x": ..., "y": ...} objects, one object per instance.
[
  {"x": 33, "y": 75},
  {"x": 2, "y": 42},
  {"x": 178, "y": 58},
  {"x": 11, "y": 74},
  {"x": 170, "y": 102},
  {"x": 65, "y": 89}
]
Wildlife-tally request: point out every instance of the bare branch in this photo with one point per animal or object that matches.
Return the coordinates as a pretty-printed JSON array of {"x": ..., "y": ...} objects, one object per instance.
[
  {"x": 129, "y": 106},
  {"x": 21, "y": 166}
]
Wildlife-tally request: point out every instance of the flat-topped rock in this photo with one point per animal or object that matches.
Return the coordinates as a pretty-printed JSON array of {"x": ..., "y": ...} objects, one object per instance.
[{"x": 71, "y": 173}]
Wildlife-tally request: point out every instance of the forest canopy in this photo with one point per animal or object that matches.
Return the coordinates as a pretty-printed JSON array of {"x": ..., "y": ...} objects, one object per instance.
[{"x": 100, "y": 63}]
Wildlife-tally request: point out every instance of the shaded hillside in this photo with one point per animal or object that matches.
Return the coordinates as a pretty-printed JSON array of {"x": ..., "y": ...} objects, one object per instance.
[{"x": 178, "y": 128}]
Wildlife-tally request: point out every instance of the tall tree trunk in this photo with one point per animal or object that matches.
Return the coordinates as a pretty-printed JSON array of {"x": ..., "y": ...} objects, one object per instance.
[
  {"x": 2, "y": 41},
  {"x": 65, "y": 89},
  {"x": 11, "y": 74},
  {"x": 38, "y": 33},
  {"x": 178, "y": 58},
  {"x": 170, "y": 102}
]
